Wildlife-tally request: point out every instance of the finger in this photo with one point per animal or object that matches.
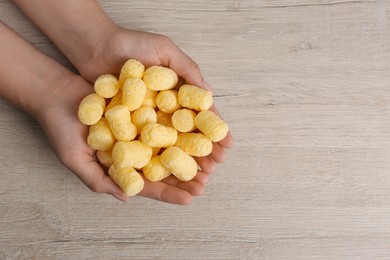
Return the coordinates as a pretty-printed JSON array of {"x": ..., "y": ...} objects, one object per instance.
[
  {"x": 93, "y": 176},
  {"x": 206, "y": 163},
  {"x": 166, "y": 193},
  {"x": 194, "y": 187},
  {"x": 174, "y": 58},
  {"x": 201, "y": 177},
  {"x": 228, "y": 141},
  {"x": 218, "y": 153}
]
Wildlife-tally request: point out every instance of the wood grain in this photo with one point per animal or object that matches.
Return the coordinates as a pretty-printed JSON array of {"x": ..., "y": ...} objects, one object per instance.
[{"x": 304, "y": 86}]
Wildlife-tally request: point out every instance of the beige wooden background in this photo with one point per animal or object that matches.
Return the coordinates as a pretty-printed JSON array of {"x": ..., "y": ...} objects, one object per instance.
[{"x": 305, "y": 87}]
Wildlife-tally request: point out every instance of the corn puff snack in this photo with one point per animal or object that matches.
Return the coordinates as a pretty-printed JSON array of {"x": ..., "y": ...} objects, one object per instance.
[
  {"x": 179, "y": 163},
  {"x": 106, "y": 86},
  {"x": 119, "y": 120},
  {"x": 150, "y": 98},
  {"x": 128, "y": 179},
  {"x": 194, "y": 97},
  {"x": 167, "y": 101},
  {"x": 133, "y": 93},
  {"x": 156, "y": 135},
  {"x": 154, "y": 171},
  {"x": 183, "y": 120},
  {"x": 195, "y": 144},
  {"x": 131, "y": 154},
  {"x": 105, "y": 157},
  {"x": 160, "y": 78},
  {"x": 100, "y": 136},
  {"x": 143, "y": 116},
  {"x": 91, "y": 109},
  {"x": 115, "y": 101},
  {"x": 211, "y": 125},
  {"x": 131, "y": 69}
]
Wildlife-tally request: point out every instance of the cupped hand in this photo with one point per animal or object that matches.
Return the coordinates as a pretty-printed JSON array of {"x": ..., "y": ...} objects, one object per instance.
[
  {"x": 119, "y": 45},
  {"x": 58, "y": 118}
]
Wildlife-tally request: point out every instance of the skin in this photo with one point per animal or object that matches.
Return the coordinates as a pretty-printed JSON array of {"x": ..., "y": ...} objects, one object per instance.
[{"x": 94, "y": 45}]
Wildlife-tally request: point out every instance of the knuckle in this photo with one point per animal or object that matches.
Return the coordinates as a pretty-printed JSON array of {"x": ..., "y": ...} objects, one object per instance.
[
  {"x": 195, "y": 65},
  {"x": 94, "y": 187},
  {"x": 66, "y": 159},
  {"x": 165, "y": 40}
]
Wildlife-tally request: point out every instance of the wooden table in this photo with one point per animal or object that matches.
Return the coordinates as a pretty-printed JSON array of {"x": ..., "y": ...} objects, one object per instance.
[{"x": 305, "y": 88}]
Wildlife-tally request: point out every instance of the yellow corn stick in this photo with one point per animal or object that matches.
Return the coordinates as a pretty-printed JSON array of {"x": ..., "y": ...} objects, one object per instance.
[
  {"x": 156, "y": 135},
  {"x": 213, "y": 127},
  {"x": 128, "y": 179},
  {"x": 131, "y": 154},
  {"x": 179, "y": 163},
  {"x": 91, "y": 109},
  {"x": 195, "y": 144},
  {"x": 119, "y": 120}
]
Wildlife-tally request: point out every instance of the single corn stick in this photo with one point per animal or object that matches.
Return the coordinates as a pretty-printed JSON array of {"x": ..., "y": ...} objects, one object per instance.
[
  {"x": 105, "y": 157},
  {"x": 128, "y": 179},
  {"x": 160, "y": 78},
  {"x": 156, "y": 135},
  {"x": 150, "y": 98},
  {"x": 119, "y": 120},
  {"x": 195, "y": 144},
  {"x": 106, "y": 86},
  {"x": 194, "y": 97},
  {"x": 116, "y": 100},
  {"x": 213, "y": 127},
  {"x": 142, "y": 116},
  {"x": 91, "y": 109},
  {"x": 179, "y": 163},
  {"x": 100, "y": 136},
  {"x": 131, "y": 69},
  {"x": 164, "y": 118},
  {"x": 154, "y": 171},
  {"x": 133, "y": 93},
  {"x": 166, "y": 101},
  {"x": 131, "y": 154},
  {"x": 183, "y": 120},
  {"x": 155, "y": 150}
]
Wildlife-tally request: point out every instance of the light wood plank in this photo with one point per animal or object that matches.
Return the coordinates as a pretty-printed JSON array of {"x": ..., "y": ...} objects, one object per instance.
[{"x": 304, "y": 86}]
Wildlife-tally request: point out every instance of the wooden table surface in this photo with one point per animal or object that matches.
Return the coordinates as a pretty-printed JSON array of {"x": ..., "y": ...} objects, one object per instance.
[{"x": 305, "y": 88}]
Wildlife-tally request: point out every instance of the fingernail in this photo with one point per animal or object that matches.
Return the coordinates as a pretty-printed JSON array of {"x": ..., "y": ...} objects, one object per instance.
[
  {"x": 205, "y": 179},
  {"x": 206, "y": 85},
  {"x": 120, "y": 197}
]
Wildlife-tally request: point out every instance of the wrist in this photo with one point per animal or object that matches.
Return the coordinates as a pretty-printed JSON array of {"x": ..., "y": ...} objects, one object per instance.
[
  {"x": 46, "y": 90},
  {"x": 28, "y": 76},
  {"x": 83, "y": 25}
]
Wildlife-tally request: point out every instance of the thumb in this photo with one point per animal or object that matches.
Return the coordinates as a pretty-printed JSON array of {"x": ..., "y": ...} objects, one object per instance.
[{"x": 174, "y": 58}]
